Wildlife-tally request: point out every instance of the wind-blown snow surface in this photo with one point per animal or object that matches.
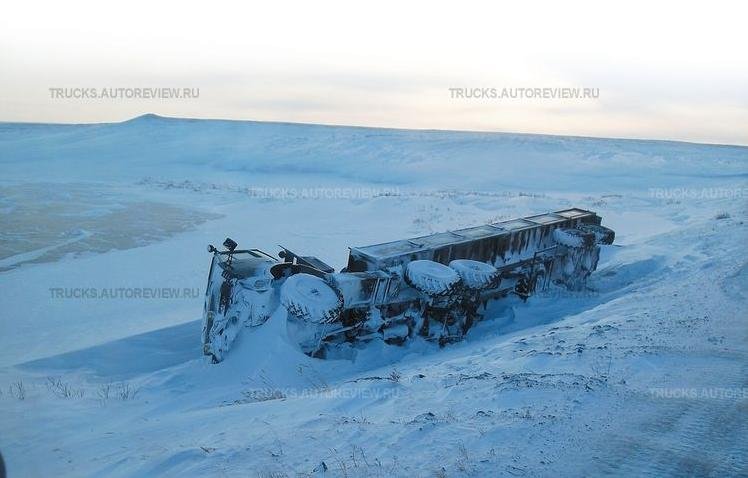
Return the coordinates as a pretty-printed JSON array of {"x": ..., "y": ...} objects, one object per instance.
[{"x": 645, "y": 373}]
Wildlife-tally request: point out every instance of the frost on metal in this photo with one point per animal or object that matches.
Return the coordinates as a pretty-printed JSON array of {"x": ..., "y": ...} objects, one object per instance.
[{"x": 434, "y": 286}]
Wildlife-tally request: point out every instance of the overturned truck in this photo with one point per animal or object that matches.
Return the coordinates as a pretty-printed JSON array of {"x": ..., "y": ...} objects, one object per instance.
[{"x": 435, "y": 286}]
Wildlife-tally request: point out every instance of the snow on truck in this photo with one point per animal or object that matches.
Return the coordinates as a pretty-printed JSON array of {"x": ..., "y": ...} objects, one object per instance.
[{"x": 435, "y": 286}]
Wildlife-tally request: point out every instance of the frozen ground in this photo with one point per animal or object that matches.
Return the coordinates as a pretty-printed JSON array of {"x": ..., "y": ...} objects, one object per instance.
[{"x": 645, "y": 374}]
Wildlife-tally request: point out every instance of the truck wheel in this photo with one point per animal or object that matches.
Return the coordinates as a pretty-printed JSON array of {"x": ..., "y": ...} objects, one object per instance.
[
  {"x": 310, "y": 298},
  {"x": 475, "y": 274},
  {"x": 431, "y": 278},
  {"x": 573, "y": 238}
]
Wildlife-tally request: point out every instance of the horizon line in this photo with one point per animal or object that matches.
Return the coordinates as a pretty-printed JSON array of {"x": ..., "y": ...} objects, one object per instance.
[{"x": 337, "y": 125}]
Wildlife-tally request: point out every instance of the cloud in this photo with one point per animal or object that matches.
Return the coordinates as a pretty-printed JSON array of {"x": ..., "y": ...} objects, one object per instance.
[{"x": 388, "y": 64}]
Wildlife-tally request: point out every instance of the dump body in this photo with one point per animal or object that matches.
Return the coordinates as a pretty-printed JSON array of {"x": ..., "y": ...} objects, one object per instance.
[{"x": 500, "y": 244}]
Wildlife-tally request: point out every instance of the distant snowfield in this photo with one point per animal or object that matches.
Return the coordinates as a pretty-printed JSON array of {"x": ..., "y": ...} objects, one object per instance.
[{"x": 643, "y": 374}]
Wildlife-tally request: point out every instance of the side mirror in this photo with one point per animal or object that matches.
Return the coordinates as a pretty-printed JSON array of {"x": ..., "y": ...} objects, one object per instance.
[
  {"x": 230, "y": 244},
  {"x": 212, "y": 249}
]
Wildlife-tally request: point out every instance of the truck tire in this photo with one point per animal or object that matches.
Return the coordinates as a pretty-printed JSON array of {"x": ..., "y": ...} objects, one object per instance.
[
  {"x": 574, "y": 238},
  {"x": 310, "y": 298},
  {"x": 431, "y": 278},
  {"x": 475, "y": 274}
]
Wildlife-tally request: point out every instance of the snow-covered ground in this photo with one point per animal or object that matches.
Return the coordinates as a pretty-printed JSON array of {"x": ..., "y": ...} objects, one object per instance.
[{"x": 646, "y": 373}]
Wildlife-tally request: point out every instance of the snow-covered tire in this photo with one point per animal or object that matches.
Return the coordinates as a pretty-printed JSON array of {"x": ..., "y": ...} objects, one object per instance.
[
  {"x": 603, "y": 235},
  {"x": 475, "y": 274},
  {"x": 573, "y": 238},
  {"x": 431, "y": 278},
  {"x": 310, "y": 298}
]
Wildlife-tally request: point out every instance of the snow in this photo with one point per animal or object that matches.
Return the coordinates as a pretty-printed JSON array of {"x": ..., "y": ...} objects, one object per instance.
[
  {"x": 431, "y": 277},
  {"x": 644, "y": 373},
  {"x": 474, "y": 274}
]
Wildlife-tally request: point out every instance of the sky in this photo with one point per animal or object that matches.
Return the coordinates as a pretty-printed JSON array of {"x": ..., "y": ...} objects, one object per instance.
[{"x": 660, "y": 70}]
